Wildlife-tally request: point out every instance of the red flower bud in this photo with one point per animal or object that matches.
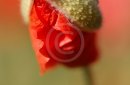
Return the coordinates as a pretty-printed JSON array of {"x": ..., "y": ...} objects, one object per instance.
[{"x": 58, "y": 40}]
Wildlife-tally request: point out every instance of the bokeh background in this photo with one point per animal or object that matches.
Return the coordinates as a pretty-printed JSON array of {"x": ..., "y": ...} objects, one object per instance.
[{"x": 18, "y": 65}]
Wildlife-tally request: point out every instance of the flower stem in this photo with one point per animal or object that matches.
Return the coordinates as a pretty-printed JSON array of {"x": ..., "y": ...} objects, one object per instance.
[{"x": 88, "y": 76}]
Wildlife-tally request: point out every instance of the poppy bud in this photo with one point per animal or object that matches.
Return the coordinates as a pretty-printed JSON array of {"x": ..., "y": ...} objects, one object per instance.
[{"x": 56, "y": 39}]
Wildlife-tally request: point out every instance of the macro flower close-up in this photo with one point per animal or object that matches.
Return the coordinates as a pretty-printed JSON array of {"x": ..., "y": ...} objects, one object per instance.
[
  {"x": 64, "y": 42},
  {"x": 56, "y": 39}
]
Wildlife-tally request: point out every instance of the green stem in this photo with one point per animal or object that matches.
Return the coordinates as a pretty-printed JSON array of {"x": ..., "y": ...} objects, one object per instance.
[{"x": 88, "y": 76}]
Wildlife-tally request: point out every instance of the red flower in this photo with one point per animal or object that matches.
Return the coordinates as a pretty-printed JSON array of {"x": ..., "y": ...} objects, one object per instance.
[{"x": 56, "y": 40}]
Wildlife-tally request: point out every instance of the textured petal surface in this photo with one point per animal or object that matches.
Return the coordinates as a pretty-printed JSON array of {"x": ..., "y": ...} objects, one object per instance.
[{"x": 56, "y": 40}]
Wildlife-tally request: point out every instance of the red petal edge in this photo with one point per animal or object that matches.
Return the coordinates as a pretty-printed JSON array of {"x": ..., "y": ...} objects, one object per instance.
[{"x": 43, "y": 18}]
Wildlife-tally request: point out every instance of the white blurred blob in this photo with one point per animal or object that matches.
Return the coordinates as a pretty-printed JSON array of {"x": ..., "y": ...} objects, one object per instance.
[{"x": 25, "y": 9}]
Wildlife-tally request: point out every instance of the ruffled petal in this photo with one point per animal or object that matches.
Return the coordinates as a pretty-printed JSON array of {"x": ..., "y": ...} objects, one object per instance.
[{"x": 56, "y": 40}]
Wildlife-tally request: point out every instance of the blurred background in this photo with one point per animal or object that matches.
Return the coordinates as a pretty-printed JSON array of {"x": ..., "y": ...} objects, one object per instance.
[{"x": 18, "y": 65}]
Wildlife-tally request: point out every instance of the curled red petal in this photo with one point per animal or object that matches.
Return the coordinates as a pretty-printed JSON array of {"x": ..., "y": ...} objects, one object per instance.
[{"x": 56, "y": 40}]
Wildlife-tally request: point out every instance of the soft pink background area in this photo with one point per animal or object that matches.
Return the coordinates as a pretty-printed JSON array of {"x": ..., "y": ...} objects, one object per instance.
[{"x": 18, "y": 65}]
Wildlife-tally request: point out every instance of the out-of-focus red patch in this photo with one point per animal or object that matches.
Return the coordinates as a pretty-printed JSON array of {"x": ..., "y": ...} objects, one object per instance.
[{"x": 47, "y": 20}]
